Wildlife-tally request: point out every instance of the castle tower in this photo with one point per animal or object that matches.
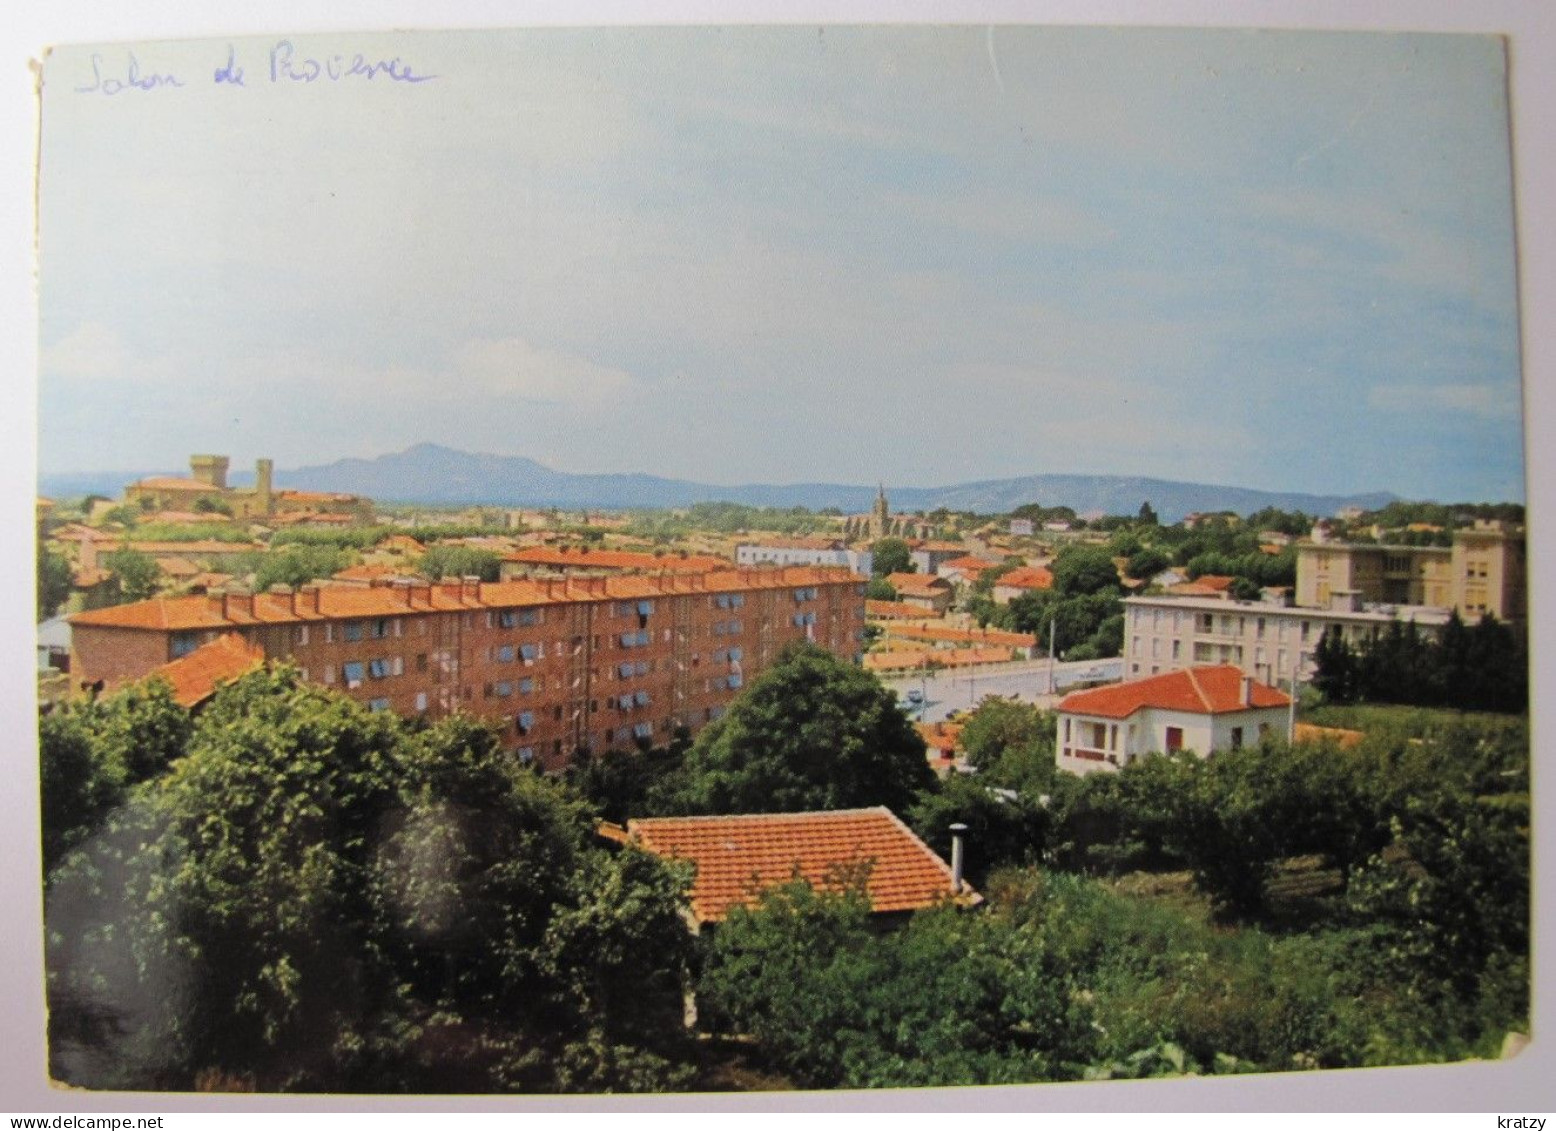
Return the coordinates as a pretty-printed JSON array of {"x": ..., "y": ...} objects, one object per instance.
[
  {"x": 264, "y": 471},
  {"x": 209, "y": 469},
  {"x": 880, "y": 517}
]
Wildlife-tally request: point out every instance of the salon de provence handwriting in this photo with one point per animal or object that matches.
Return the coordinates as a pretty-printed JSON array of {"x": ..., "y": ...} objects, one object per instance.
[{"x": 282, "y": 64}]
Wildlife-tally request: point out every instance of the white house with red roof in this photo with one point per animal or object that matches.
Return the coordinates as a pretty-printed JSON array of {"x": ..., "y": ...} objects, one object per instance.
[{"x": 1200, "y": 709}]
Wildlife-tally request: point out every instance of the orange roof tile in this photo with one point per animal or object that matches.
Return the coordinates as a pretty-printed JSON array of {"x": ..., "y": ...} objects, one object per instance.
[
  {"x": 893, "y": 609},
  {"x": 351, "y": 600},
  {"x": 195, "y": 677},
  {"x": 962, "y": 635},
  {"x": 969, "y": 564},
  {"x": 1027, "y": 577},
  {"x": 1216, "y": 581},
  {"x": 738, "y": 856},
  {"x": 615, "y": 559},
  {"x": 1200, "y": 691},
  {"x": 917, "y": 583}
]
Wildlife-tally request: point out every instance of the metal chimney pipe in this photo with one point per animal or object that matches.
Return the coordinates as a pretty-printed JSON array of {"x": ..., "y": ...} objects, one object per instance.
[{"x": 958, "y": 853}]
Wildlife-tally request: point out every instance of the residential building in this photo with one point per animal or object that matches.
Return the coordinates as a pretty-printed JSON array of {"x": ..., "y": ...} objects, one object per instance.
[
  {"x": 932, "y": 594},
  {"x": 582, "y": 560},
  {"x": 559, "y": 664},
  {"x": 1266, "y": 641},
  {"x": 1021, "y": 528},
  {"x": 1200, "y": 709},
  {"x": 928, "y": 557},
  {"x": 804, "y": 552},
  {"x": 966, "y": 569},
  {"x": 738, "y": 857},
  {"x": 1482, "y": 572},
  {"x": 1025, "y": 579}
]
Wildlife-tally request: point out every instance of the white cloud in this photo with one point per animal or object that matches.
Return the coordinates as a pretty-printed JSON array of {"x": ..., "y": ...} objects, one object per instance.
[
  {"x": 91, "y": 351},
  {"x": 515, "y": 367}
]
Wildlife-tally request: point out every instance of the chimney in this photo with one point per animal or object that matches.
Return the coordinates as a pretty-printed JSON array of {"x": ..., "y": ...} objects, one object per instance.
[
  {"x": 470, "y": 587},
  {"x": 216, "y": 601},
  {"x": 403, "y": 588},
  {"x": 1246, "y": 698},
  {"x": 238, "y": 601},
  {"x": 958, "y": 834},
  {"x": 306, "y": 600}
]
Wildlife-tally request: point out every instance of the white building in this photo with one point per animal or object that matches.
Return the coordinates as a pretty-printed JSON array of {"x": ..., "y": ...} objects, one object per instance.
[
  {"x": 799, "y": 554},
  {"x": 1199, "y": 709},
  {"x": 1268, "y": 642}
]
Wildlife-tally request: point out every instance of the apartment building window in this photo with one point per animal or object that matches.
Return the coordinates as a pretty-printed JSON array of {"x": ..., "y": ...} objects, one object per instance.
[
  {"x": 351, "y": 631},
  {"x": 378, "y": 704},
  {"x": 183, "y": 643},
  {"x": 378, "y": 669},
  {"x": 421, "y": 700},
  {"x": 529, "y": 653},
  {"x": 1177, "y": 649},
  {"x": 1156, "y": 649},
  {"x": 329, "y": 674},
  {"x": 502, "y": 688},
  {"x": 508, "y": 618},
  {"x": 1259, "y": 628},
  {"x": 526, "y": 686},
  {"x": 1205, "y": 622},
  {"x": 526, "y": 755},
  {"x": 421, "y": 661},
  {"x": 503, "y": 653},
  {"x": 1306, "y": 628},
  {"x": 525, "y": 721},
  {"x": 643, "y": 730},
  {"x": 735, "y": 654},
  {"x": 329, "y": 634},
  {"x": 735, "y": 680},
  {"x": 352, "y": 672},
  {"x": 300, "y": 634},
  {"x": 1237, "y": 738}
]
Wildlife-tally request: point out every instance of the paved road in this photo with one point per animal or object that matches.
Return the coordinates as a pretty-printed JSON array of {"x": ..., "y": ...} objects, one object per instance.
[{"x": 1028, "y": 680}]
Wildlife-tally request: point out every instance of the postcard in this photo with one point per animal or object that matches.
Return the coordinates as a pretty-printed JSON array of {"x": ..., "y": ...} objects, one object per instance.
[{"x": 730, "y": 559}]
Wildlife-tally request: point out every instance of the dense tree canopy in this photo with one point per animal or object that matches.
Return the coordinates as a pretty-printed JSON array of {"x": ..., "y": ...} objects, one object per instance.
[
  {"x": 811, "y": 732},
  {"x": 891, "y": 555}
]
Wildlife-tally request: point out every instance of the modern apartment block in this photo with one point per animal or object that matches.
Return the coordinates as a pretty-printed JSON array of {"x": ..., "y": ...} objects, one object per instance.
[
  {"x": 1267, "y": 642},
  {"x": 560, "y": 664},
  {"x": 1482, "y": 572}
]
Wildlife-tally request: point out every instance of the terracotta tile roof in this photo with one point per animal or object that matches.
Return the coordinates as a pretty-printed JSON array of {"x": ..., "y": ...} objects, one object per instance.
[
  {"x": 369, "y": 572},
  {"x": 615, "y": 559},
  {"x": 292, "y": 496},
  {"x": 1200, "y": 691},
  {"x": 962, "y": 635},
  {"x": 919, "y": 584},
  {"x": 1218, "y": 582},
  {"x": 1026, "y": 577},
  {"x": 938, "y": 547},
  {"x": 196, "y": 677},
  {"x": 903, "y": 659},
  {"x": 969, "y": 564},
  {"x": 736, "y": 857},
  {"x": 178, "y": 567},
  {"x": 355, "y": 600},
  {"x": 892, "y": 609}
]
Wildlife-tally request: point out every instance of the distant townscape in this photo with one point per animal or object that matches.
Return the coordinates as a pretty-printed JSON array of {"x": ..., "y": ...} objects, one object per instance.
[{"x": 729, "y": 785}]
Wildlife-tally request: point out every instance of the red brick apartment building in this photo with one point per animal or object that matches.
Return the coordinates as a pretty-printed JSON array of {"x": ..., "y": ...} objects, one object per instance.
[{"x": 560, "y": 664}]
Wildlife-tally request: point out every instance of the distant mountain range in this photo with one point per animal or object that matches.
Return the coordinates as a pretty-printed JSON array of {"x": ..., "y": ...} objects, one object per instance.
[{"x": 430, "y": 473}]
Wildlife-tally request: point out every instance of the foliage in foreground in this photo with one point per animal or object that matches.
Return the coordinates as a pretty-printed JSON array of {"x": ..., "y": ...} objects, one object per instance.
[{"x": 315, "y": 897}]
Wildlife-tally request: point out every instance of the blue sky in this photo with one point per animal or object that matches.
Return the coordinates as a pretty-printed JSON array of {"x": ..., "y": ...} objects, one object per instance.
[{"x": 922, "y": 255}]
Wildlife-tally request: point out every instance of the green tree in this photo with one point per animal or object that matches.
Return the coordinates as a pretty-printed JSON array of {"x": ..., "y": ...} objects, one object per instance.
[
  {"x": 879, "y": 589},
  {"x": 891, "y": 555},
  {"x": 1147, "y": 516},
  {"x": 811, "y": 732},
  {"x": 1010, "y": 743},
  {"x": 1081, "y": 571},
  {"x": 460, "y": 561},
  {"x": 80, "y": 782},
  {"x": 1146, "y": 563},
  {"x": 54, "y": 581},
  {"x": 298, "y": 564},
  {"x": 134, "y": 576}
]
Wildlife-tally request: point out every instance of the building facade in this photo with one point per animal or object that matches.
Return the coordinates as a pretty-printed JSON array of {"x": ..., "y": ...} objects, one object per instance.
[
  {"x": 1200, "y": 709},
  {"x": 801, "y": 552},
  {"x": 1482, "y": 572},
  {"x": 558, "y": 664},
  {"x": 207, "y": 482},
  {"x": 1265, "y": 641}
]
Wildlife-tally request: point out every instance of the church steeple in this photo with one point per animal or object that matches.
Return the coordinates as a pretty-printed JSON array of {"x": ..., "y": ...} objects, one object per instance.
[{"x": 880, "y": 518}]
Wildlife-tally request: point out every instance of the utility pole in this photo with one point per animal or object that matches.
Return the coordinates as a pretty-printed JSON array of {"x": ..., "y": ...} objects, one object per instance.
[{"x": 1053, "y": 628}]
